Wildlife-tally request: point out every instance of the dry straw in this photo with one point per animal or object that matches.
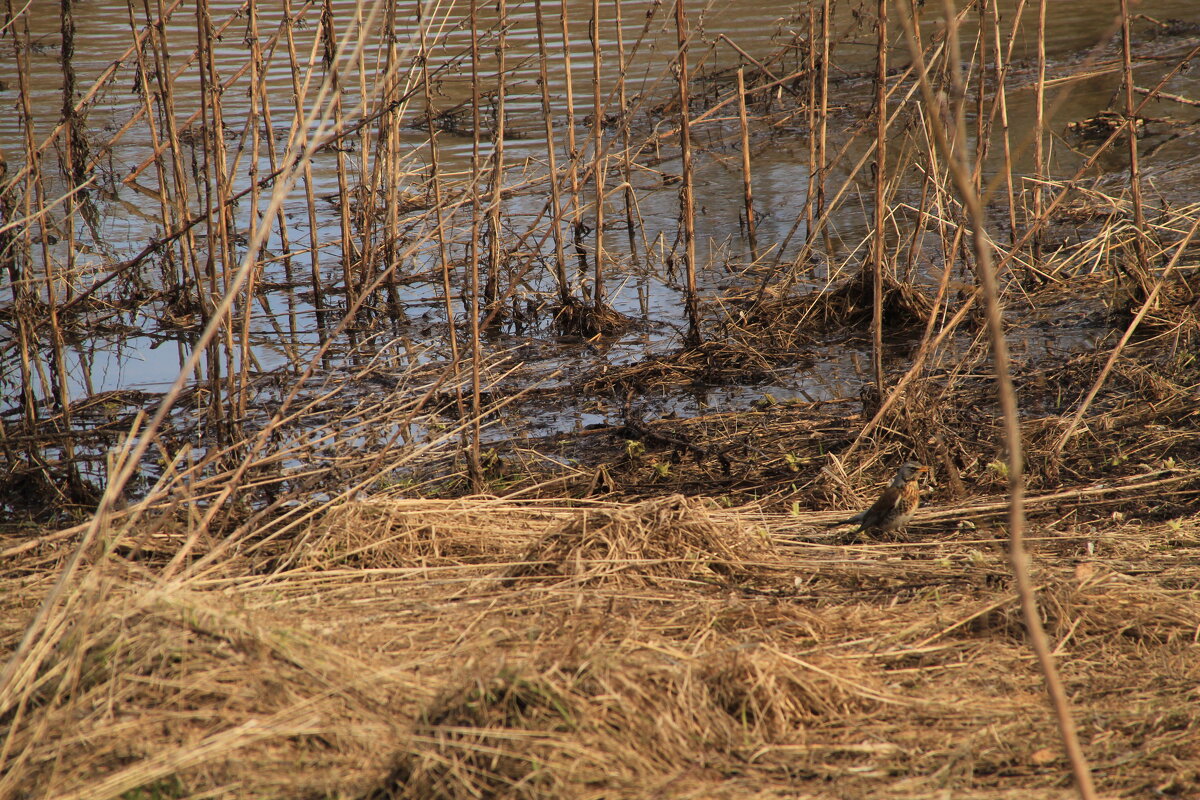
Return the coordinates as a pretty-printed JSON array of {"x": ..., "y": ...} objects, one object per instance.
[
  {"x": 416, "y": 650},
  {"x": 285, "y": 608}
]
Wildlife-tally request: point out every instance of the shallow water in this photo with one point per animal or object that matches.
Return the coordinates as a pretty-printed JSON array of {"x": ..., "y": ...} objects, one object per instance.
[{"x": 137, "y": 355}]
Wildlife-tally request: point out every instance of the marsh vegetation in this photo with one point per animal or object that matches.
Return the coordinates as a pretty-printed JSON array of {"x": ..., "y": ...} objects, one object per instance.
[{"x": 449, "y": 400}]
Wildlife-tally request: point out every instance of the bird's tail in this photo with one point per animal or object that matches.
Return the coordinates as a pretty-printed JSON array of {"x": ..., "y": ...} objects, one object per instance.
[{"x": 855, "y": 520}]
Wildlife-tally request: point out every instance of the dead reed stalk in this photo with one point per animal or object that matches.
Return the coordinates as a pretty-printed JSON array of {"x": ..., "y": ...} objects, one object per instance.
[
  {"x": 495, "y": 231},
  {"x": 1135, "y": 175},
  {"x": 573, "y": 154},
  {"x": 599, "y": 158},
  {"x": 1039, "y": 150},
  {"x": 747, "y": 187},
  {"x": 323, "y": 320},
  {"x": 822, "y": 79},
  {"x": 556, "y": 207},
  {"x": 1000, "y": 76},
  {"x": 687, "y": 201},
  {"x": 624, "y": 117},
  {"x": 881, "y": 183},
  {"x": 958, "y": 164}
]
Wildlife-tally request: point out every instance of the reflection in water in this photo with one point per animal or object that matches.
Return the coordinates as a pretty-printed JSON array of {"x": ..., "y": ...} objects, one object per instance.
[{"x": 133, "y": 190}]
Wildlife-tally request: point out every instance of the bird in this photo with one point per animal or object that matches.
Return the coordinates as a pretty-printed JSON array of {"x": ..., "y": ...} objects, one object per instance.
[{"x": 895, "y": 506}]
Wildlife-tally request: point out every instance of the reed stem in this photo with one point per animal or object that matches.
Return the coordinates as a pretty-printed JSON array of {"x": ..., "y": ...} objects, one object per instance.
[
  {"x": 1135, "y": 174},
  {"x": 577, "y": 226},
  {"x": 556, "y": 209},
  {"x": 474, "y": 466},
  {"x": 686, "y": 197},
  {"x": 747, "y": 189},
  {"x": 881, "y": 172},
  {"x": 599, "y": 165}
]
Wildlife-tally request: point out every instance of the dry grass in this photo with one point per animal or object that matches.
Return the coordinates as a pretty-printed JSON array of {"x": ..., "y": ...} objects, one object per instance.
[
  {"x": 248, "y": 631},
  {"x": 659, "y": 542},
  {"x": 451, "y": 649}
]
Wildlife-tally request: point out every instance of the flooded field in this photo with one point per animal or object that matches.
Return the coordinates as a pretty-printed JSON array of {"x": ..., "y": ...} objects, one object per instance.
[
  {"x": 457, "y": 400},
  {"x": 172, "y": 172}
]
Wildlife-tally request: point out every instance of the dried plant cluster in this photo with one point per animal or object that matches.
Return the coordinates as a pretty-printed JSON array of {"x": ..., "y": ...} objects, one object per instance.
[
  {"x": 355, "y": 571},
  {"x": 462, "y": 649}
]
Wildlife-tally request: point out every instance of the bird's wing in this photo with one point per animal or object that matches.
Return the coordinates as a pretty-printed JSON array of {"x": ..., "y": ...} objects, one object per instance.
[{"x": 886, "y": 502}]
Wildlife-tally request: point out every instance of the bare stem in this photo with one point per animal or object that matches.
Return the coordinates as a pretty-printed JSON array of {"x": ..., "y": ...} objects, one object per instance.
[{"x": 960, "y": 171}]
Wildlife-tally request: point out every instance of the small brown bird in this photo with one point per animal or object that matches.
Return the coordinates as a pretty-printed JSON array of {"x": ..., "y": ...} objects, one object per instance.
[{"x": 895, "y": 507}]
